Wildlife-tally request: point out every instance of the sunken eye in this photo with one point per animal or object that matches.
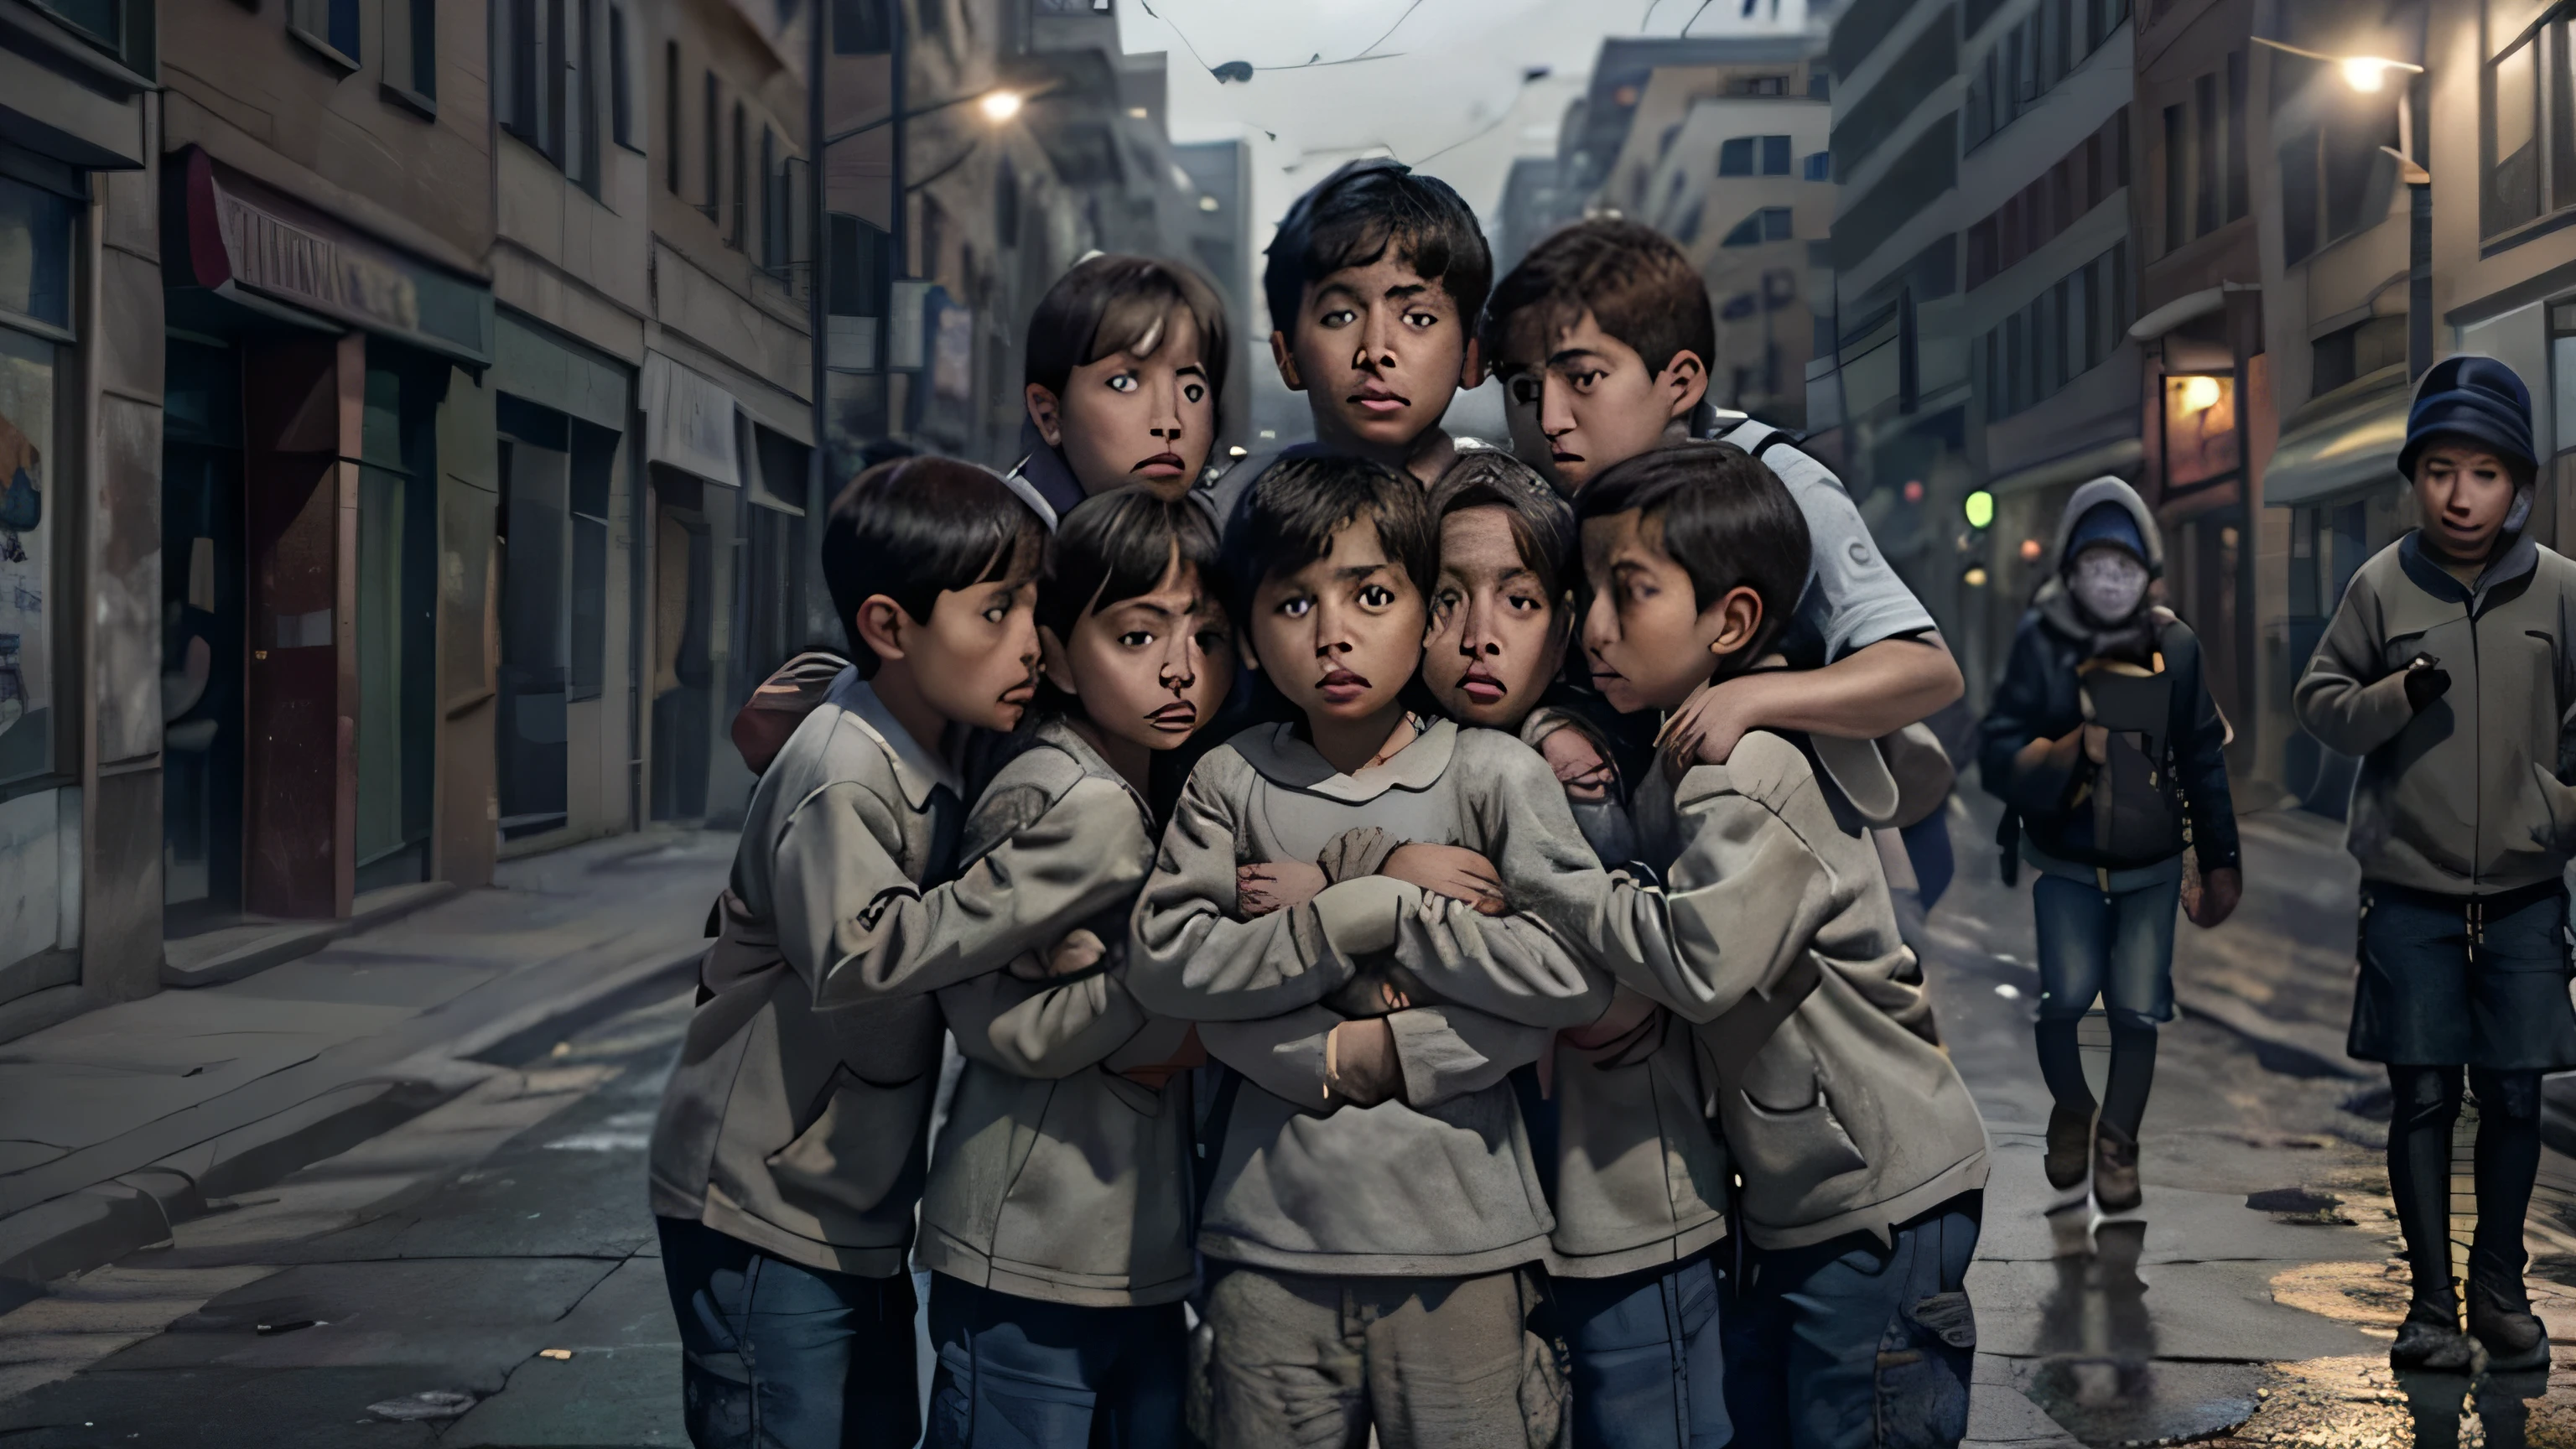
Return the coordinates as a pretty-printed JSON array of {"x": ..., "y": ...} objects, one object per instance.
[
  {"x": 1338, "y": 317},
  {"x": 1583, "y": 381},
  {"x": 1135, "y": 639},
  {"x": 1124, "y": 382},
  {"x": 997, "y": 613},
  {"x": 1376, "y": 596},
  {"x": 1212, "y": 641},
  {"x": 1526, "y": 604},
  {"x": 1447, "y": 601},
  {"x": 1422, "y": 321},
  {"x": 1193, "y": 391},
  {"x": 1297, "y": 607}
]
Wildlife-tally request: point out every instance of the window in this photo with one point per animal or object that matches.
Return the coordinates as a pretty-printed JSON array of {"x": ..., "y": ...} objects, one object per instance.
[
  {"x": 2530, "y": 165},
  {"x": 1775, "y": 155},
  {"x": 714, "y": 162},
  {"x": 2085, "y": 177},
  {"x": 772, "y": 227},
  {"x": 32, "y": 467},
  {"x": 1735, "y": 157},
  {"x": 329, "y": 26},
  {"x": 2236, "y": 178},
  {"x": 671, "y": 123},
  {"x": 621, "y": 80},
  {"x": 2355, "y": 351},
  {"x": 2059, "y": 335},
  {"x": 1688, "y": 231},
  {"x": 544, "y": 82},
  {"x": 1820, "y": 166},
  {"x": 2177, "y": 179},
  {"x": 2028, "y": 61},
  {"x": 741, "y": 183},
  {"x": 1770, "y": 224},
  {"x": 859, "y": 27},
  {"x": 35, "y": 255},
  {"x": 2335, "y": 181},
  {"x": 411, "y": 53}
]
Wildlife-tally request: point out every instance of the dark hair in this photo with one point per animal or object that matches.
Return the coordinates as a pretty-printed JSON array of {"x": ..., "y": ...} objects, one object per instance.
[
  {"x": 1542, "y": 522},
  {"x": 1355, "y": 215},
  {"x": 1727, "y": 520},
  {"x": 1118, "y": 545},
  {"x": 915, "y": 528},
  {"x": 1288, "y": 518},
  {"x": 1112, "y": 304},
  {"x": 1638, "y": 286}
]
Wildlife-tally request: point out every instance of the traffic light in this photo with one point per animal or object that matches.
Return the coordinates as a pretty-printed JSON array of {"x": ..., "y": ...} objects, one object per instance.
[{"x": 1980, "y": 509}]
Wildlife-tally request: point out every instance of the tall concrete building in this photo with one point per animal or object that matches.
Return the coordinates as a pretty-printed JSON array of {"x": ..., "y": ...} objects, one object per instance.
[{"x": 1215, "y": 236}]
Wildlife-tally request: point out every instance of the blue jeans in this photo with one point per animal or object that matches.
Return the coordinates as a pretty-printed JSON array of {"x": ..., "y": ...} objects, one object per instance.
[
  {"x": 1022, "y": 1373},
  {"x": 776, "y": 1355},
  {"x": 2117, "y": 945},
  {"x": 1850, "y": 1345},
  {"x": 1649, "y": 1370}
]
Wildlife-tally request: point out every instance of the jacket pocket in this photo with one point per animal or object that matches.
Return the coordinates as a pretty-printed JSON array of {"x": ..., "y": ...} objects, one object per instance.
[
  {"x": 1791, "y": 1149},
  {"x": 858, "y": 1146}
]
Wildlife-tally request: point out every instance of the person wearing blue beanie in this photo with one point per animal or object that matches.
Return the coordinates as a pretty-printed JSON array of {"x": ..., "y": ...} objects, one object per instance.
[{"x": 2447, "y": 672}]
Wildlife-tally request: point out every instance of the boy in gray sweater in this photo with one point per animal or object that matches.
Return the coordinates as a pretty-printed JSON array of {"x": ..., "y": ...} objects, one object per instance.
[
  {"x": 1375, "y": 1255},
  {"x": 1862, "y": 1158},
  {"x": 787, "y": 1160}
]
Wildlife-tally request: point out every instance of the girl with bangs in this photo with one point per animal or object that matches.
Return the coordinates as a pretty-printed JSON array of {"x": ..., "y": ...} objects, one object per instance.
[{"x": 1127, "y": 361}]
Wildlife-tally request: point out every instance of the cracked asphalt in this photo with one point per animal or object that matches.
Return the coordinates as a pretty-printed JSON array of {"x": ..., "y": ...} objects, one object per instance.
[{"x": 485, "y": 1274}]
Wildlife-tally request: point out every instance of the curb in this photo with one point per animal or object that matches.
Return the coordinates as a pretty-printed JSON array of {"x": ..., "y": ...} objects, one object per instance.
[
  {"x": 98, "y": 1224},
  {"x": 291, "y": 940}
]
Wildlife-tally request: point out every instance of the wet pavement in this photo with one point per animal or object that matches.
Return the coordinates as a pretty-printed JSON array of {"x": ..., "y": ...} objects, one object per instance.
[{"x": 485, "y": 1274}]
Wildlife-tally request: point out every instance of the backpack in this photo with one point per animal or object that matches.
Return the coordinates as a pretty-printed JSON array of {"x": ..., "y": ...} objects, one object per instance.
[{"x": 2140, "y": 811}]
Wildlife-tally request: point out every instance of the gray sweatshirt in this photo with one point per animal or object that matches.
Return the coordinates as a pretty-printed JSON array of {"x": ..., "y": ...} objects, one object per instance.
[
  {"x": 1439, "y": 1189},
  {"x": 801, "y": 1131},
  {"x": 1058, "y": 1178}
]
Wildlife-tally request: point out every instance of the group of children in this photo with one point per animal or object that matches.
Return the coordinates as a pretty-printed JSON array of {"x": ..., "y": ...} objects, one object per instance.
[{"x": 1413, "y": 919}]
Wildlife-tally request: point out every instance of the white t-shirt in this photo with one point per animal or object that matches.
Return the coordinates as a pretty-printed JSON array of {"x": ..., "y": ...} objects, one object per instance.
[{"x": 1852, "y": 599}]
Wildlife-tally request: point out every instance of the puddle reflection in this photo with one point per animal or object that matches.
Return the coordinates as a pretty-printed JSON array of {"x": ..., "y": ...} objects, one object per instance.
[{"x": 2436, "y": 1404}]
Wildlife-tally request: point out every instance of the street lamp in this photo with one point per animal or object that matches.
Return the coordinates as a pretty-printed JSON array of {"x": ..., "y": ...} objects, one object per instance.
[
  {"x": 1000, "y": 105},
  {"x": 997, "y": 105},
  {"x": 2366, "y": 74}
]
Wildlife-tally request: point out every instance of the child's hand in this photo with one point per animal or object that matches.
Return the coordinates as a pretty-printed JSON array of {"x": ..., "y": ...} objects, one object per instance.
[
  {"x": 1707, "y": 727},
  {"x": 1275, "y": 885},
  {"x": 1578, "y": 765},
  {"x": 1156, "y": 1075},
  {"x": 2097, "y": 744},
  {"x": 1079, "y": 951},
  {"x": 1360, "y": 1067},
  {"x": 1449, "y": 870},
  {"x": 2220, "y": 890}
]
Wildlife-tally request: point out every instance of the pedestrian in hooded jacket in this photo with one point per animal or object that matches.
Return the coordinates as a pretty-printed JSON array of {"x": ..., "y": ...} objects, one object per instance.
[
  {"x": 2106, "y": 749},
  {"x": 2447, "y": 671}
]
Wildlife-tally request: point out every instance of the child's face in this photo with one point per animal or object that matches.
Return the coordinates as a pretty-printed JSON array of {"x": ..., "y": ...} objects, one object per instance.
[
  {"x": 1646, "y": 641},
  {"x": 1378, "y": 351},
  {"x": 1128, "y": 419},
  {"x": 975, "y": 658},
  {"x": 1584, "y": 400},
  {"x": 1496, "y": 637},
  {"x": 1342, "y": 635},
  {"x": 2465, "y": 493},
  {"x": 1149, "y": 670}
]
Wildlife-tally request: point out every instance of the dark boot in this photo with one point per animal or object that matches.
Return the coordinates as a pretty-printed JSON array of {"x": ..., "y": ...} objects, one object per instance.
[
  {"x": 2115, "y": 1169},
  {"x": 2070, "y": 1140},
  {"x": 2501, "y": 1320},
  {"x": 2430, "y": 1338}
]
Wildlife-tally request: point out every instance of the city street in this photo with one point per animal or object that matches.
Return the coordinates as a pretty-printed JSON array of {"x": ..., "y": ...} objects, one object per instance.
[{"x": 484, "y": 1274}]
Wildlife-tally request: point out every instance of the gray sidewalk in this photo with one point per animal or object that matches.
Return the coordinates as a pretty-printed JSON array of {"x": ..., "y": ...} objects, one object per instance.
[{"x": 120, "y": 1123}]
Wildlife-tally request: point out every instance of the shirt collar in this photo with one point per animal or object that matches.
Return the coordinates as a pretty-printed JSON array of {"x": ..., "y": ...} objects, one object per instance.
[
  {"x": 1286, "y": 760},
  {"x": 1063, "y": 736},
  {"x": 916, "y": 770}
]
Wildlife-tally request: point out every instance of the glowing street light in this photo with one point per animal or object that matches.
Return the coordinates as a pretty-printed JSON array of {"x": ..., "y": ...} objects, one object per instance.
[
  {"x": 1000, "y": 105},
  {"x": 2199, "y": 394},
  {"x": 2367, "y": 74}
]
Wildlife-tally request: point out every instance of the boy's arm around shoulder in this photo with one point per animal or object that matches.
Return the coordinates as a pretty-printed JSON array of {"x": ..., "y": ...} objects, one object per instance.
[
  {"x": 1530, "y": 965},
  {"x": 2351, "y": 701},
  {"x": 1749, "y": 892},
  {"x": 1190, "y": 959},
  {"x": 867, "y": 933}
]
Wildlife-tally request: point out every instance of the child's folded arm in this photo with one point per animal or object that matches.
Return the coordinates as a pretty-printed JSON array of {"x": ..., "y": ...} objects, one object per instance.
[
  {"x": 1447, "y": 1052},
  {"x": 2344, "y": 698},
  {"x": 852, "y": 924},
  {"x": 1190, "y": 958},
  {"x": 1747, "y": 895},
  {"x": 1282, "y": 1055},
  {"x": 1040, "y": 1028}
]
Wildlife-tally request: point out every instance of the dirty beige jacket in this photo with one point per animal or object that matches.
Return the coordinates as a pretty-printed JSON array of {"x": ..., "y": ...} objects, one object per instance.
[
  {"x": 1445, "y": 1188},
  {"x": 798, "y": 1131},
  {"x": 1057, "y": 1177},
  {"x": 1775, "y": 935},
  {"x": 2462, "y": 798}
]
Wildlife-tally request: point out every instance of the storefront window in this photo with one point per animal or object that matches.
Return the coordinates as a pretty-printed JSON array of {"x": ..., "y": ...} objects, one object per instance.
[
  {"x": 35, "y": 253},
  {"x": 27, "y": 460}
]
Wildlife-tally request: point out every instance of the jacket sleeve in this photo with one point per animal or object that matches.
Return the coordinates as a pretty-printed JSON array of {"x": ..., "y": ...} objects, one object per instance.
[
  {"x": 2017, "y": 716},
  {"x": 1086, "y": 853},
  {"x": 1190, "y": 959},
  {"x": 1444, "y": 1052},
  {"x": 2347, "y": 698},
  {"x": 1748, "y": 895},
  {"x": 2201, "y": 753},
  {"x": 1040, "y": 1028}
]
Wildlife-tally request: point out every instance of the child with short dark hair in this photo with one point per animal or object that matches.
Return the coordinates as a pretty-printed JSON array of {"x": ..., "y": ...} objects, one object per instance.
[
  {"x": 1602, "y": 337},
  {"x": 1325, "y": 1192},
  {"x": 1374, "y": 281},
  {"x": 2447, "y": 672},
  {"x": 787, "y": 1160},
  {"x": 1861, "y": 1156},
  {"x": 1126, "y": 370},
  {"x": 1056, "y": 1218}
]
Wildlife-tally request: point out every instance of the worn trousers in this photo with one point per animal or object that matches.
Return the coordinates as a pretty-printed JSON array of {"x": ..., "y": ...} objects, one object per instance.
[
  {"x": 1309, "y": 1362},
  {"x": 776, "y": 1355},
  {"x": 1851, "y": 1344},
  {"x": 1022, "y": 1373},
  {"x": 1649, "y": 1367}
]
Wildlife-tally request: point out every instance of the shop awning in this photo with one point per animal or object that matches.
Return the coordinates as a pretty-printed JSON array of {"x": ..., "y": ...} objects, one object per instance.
[
  {"x": 2340, "y": 444},
  {"x": 240, "y": 237},
  {"x": 692, "y": 422},
  {"x": 2121, "y": 455}
]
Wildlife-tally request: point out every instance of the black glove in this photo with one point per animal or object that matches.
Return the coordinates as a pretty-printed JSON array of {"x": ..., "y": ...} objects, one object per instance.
[{"x": 2425, "y": 685}]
